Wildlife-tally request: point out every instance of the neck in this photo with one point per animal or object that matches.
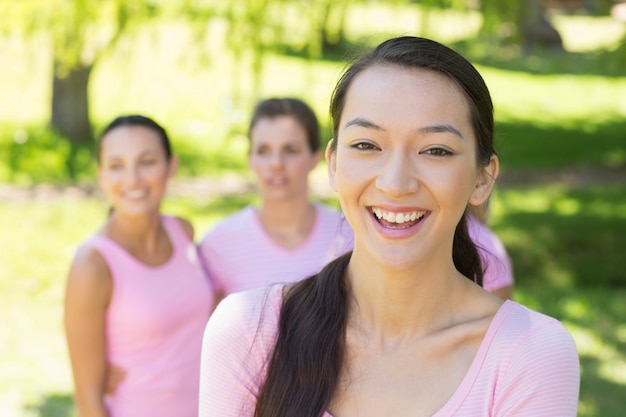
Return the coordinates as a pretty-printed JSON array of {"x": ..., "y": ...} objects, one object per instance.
[
  {"x": 140, "y": 231},
  {"x": 287, "y": 221},
  {"x": 392, "y": 306}
]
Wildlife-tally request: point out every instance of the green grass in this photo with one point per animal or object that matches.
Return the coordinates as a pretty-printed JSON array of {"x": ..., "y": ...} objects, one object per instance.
[
  {"x": 562, "y": 236},
  {"x": 552, "y": 112},
  {"x": 39, "y": 240}
]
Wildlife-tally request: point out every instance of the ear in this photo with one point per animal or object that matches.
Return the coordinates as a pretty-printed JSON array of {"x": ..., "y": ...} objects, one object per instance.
[
  {"x": 485, "y": 181},
  {"x": 173, "y": 166},
  {"x": 331, "y": 163}
]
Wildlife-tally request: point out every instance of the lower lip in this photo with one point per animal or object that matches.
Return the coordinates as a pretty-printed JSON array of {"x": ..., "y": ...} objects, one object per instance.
[{"x": 399, "y": 232}]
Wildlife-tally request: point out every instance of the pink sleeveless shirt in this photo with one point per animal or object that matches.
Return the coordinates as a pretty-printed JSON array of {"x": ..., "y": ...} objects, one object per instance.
[{"x": 154, "y": 326}]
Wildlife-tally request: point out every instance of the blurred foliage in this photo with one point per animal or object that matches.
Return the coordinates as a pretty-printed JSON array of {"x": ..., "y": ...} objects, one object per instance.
[
  {"x": 82, "y": 32},
  {"x": 37, "y": 154}
]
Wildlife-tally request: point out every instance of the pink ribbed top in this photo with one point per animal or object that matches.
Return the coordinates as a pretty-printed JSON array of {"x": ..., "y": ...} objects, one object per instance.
[
  {"x": 155, "y": 321},
  {"x": 527, "y": 364},
  {"x": 240, "y": 255}
]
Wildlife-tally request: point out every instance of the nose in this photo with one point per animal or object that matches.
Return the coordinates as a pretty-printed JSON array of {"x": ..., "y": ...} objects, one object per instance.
[
  {"x": 397, "y": 176},
  {"x": 131, "y": 174},
  {"x": 276, "y": 160}
]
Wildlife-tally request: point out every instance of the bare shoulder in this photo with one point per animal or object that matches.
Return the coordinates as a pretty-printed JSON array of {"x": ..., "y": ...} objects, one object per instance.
[
  {"x": 89, "y": 276},
  {"x": 187, "y": 227}
]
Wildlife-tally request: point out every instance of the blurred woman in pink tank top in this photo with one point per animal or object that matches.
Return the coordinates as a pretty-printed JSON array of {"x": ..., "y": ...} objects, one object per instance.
[
  {"x": 287, "y": 237},
  {"x": 136, "y": 299}
]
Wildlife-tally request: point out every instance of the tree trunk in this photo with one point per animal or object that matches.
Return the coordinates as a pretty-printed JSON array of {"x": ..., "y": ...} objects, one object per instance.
[
  {"x": 70, "y": 105},
  {"x": 536, "y": 30}
]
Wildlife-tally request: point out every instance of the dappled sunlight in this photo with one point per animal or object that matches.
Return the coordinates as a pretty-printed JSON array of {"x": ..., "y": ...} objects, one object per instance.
[
  {"x": 561, "y": 236},
  {"x": 587, "y": 95},
  {"x": 559, "y": 206},
  {"x": 567, "y": 207},
  {"x": 589, "y": 343},
  {"x": 530, "y": 201},
  {"x": 595, "y": 318},
  {"x": 586, "y": 33}
]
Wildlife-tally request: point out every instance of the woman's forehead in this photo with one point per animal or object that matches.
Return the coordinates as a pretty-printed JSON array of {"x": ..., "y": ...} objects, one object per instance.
[{"x": 389, "y": 94}]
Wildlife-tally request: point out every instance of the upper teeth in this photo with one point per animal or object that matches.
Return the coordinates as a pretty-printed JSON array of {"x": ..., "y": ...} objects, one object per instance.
[
  {"x": 397, "y": 217},
  {"x": 135, "y": 194},
  {"x": 277, "y": 181}
]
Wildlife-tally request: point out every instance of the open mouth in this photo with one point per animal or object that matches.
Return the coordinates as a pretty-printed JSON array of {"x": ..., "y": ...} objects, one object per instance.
[
  {"x": 135, "y": 194},
  {"x": 397, "y": 220}
]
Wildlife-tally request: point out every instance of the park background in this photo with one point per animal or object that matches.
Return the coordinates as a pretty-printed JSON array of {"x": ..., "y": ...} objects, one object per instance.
[{"x": 556, "y": 70}]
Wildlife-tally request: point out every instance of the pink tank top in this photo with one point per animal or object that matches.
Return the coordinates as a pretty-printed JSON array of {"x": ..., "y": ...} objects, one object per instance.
[{"x": 154, "y": 326}]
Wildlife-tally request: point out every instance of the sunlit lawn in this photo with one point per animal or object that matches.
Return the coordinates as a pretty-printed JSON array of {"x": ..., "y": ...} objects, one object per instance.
[
  {"x": 39, "y": 239},
  {"x": 557, "y": 235}
]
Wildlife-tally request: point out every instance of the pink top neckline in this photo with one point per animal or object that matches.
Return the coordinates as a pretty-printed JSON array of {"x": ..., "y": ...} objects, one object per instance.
[
  {"x": 458, "y": 396},
  {"x": 302, "y": 247},
  {"x": 165, "y": 222}
]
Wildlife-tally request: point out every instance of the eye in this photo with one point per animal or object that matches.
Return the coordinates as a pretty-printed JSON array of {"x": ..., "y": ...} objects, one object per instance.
[
  {"x": 292, "y": 150},
  {"x": 148, "y": 161},
  {"x": 115, "y": 166},
  {"x": 364, "y": 146},
  {"x": 437, "y": 151}
]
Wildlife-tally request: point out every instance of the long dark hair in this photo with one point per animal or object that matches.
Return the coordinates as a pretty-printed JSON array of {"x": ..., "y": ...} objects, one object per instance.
[{"x": 304, "y": 368}]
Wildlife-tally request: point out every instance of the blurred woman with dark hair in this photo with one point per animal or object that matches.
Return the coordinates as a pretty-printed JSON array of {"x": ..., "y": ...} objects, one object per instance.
[
  {"x": 287, "y": 237},
  {"x": 137, "y": 298}
]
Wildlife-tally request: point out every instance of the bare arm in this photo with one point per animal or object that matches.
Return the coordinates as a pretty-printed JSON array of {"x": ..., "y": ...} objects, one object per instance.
[{"x": 87, "y": 296}]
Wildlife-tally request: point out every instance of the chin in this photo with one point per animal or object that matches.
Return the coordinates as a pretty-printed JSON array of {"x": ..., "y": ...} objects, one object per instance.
[{"x": 396, "y": 262}]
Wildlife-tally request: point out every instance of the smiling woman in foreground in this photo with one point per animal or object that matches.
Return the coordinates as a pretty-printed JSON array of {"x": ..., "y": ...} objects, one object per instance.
[{"x": 400, "y": 326}]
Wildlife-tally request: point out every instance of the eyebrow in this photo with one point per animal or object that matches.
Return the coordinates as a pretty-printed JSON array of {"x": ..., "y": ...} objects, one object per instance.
[
  {"x": 146, "y": 152},
  {"x": 357, "y": 121},
  {"x": 440, "y": 128}
]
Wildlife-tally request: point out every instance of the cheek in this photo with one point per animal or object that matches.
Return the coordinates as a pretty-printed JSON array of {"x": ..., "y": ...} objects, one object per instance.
[
  {"x": 301, "y": 164},
  {"x": 351, "y": 179},
  {"x": 156, "y": 174},
  {"x": 257, "y": 163},
  {"x": 454, "y": 184},
  {"x": 110, "y": 178}
]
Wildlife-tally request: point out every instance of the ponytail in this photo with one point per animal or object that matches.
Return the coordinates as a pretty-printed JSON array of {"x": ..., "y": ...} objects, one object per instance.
[
  {"x": 465, "y": 253},
  {"x": 305, "y": 366}
]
